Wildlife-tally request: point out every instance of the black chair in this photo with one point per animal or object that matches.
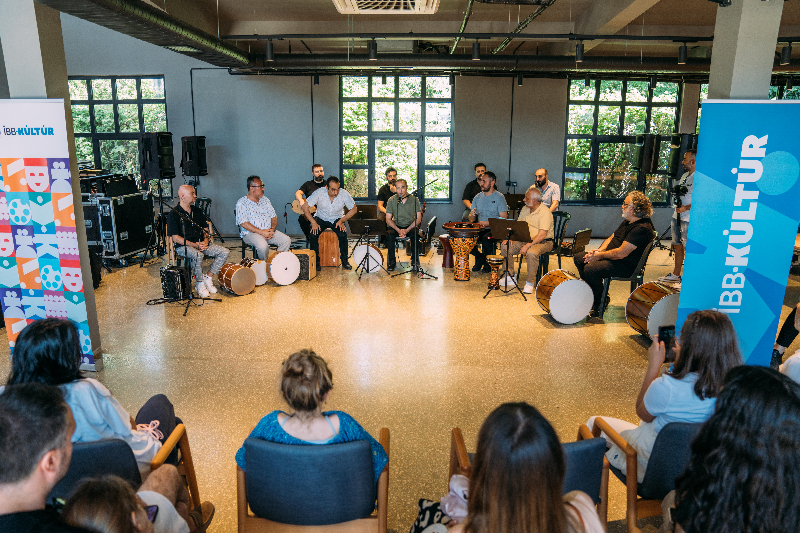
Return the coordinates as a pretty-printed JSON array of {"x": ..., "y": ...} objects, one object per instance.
[
  {"x": 636, "y": 279},
  {"x": 311, "y": 486},
  {"x": 425, "y": 242},
  {"x": 94, "y": 459},
  {"x": 560, "y": 221},
  {"x": 244, "y": 244},
  {"x": 204, "y": 204},
  {"x": 670, "y": 455}
]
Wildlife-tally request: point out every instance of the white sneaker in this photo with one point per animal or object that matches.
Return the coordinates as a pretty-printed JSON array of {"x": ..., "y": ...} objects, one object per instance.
[
  {"x": 670, "y": 278},
  {"x": 202, "y": 291},
  {"x": 507, "y": 281},
  {"x": 528, "y": 289},
  {"x": 208, "y": 281}
]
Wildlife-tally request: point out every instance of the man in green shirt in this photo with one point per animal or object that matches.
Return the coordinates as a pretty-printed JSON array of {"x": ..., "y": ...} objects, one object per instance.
[{"x": 403, "y": 218}]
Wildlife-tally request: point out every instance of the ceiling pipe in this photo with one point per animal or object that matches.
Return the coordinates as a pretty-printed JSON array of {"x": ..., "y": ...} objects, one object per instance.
[
  {"x": 463, "y": 26},
  {"x": 523, "y": 24},
  {"x": 481, "y": 36}
]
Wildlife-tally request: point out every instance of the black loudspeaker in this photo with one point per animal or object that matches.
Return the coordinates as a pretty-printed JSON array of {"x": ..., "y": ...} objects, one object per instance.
[
  {"x": 678, "y": 146},
  {"x": 193, "y": 156},
  {"x": 156, "y": 160},
  {"x": 644, "y": 155}
]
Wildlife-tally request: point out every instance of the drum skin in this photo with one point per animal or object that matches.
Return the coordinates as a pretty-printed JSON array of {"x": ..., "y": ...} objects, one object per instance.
[
  {"x": 259, "y": 267},
  {"x": 375, "y": 261},
  {"x": 237, "y": 279},
  {"x": 566, "y": 297},
  {"x": 652, "y": 305},
  {"x": 284, "y": 267}
]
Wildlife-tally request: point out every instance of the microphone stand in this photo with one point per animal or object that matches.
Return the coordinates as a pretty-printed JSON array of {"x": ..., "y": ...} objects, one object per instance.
[{"x": 416, "y": 266}]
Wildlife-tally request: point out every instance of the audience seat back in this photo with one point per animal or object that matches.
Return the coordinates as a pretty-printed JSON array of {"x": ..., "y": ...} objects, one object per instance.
[
  {"x": 670, "y": 455},
  {"x": 584, "y": 462}
]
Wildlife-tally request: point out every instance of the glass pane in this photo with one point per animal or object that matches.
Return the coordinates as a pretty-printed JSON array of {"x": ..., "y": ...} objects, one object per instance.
[
  {"x": 128, "y": 117},
  {"x": 120, "y": 155},
  {"x": 104, "y": 118},
  {"x": 354, "y": 150},
  {"x": 703, "y": 91},
  {"x": 576, "y": 186},
  {"x": 382, "y": 116},
  {"x": 581, "y": 119},
  {"x": 80, "y": 119},
  {"x": 410, "y": 116},
  {"x": 697, "y": 129},
  {"x": 635, "y": 118},
  {"x": 662, "y": 120},
  {"x": 437, "y": 150},
  {"x": 773, "y": 92},
  {"x": 400, "y": 154},
  {"x": 155, "y": 117},
  {"x": 663, "y": 153},
  {"x": 126, "y": 89},
  {"x": 791, "y": 94},
  {"x": 665, "y": 92},
  {"x": 579, "y": 91},
  {"x": 410, "y": 87},
  {"x": 77, "y": 90},
  {"x": 579, "y": 153},
  {"x": 656, "y": 188},
  {"x": 438, "y": 87},
  {"x": 615, "y": 178},
  {"x": 152, "y": 87},
  {"x": 637, "y": 91},
  {"x": 610, "y": 91},
  {"x": 83, "y": 149},
  {"x": 381, "y": 90},
  {"x": 354, "y": 116},
  {"x": 437, "y": 184},
  {"x": 166, "y": 187},
  {"x": 355, "y": 182},
  {"x": 354, "y": 87},
  {"x": 608, "y": 120},
  {"x": 101, "y": 89},
  {"x": 437, "y": 116}
]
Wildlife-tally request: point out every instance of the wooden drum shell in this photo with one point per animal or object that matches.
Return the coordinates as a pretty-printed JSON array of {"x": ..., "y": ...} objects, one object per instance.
[
  {"x": 652, "y": 305},
  {"x": 237, "y": 279},
  {"x": 329, "y": 249}
]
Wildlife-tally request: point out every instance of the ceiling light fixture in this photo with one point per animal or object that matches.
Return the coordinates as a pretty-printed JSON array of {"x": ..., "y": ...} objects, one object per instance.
[
  {"x": 786, "y": 54},
  {"x": 476, "y": 51},
  {"x": 587, "y": 82},
  {"x": 579, "y": 52},
  {"x": 373, "y": 50},
  {"x": 789, "y": 84},
  {"x": 316, "y": 79},
  {"x": 270, "y": 51},
  {"x": 519, "y": 80},
  {"x": 383, "y": 79},
  {"x": 653, "y": 82},
  {"x": 682, "y": 54}
]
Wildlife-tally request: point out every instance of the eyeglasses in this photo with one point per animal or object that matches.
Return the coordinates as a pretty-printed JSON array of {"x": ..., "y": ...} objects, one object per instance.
[{"x": 256, "y": 186}]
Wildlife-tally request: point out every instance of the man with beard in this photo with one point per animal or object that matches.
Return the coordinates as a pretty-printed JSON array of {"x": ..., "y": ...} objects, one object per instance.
[
  {"x": 551, "y": 193},
  {"x": 387, "y": 191},
  {"x": 489, "y": 203},
  {"x": 317, "y": 181}
]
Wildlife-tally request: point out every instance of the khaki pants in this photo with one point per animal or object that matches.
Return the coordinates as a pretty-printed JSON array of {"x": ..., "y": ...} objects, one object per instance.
[{"x": 532, "y": 256}]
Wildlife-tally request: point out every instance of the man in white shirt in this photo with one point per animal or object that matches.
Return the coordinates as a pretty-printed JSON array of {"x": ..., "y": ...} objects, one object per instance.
[
  {"x": 331, "y": 203},
  {"x": 257, "y": 220},
  {"x": 680, "y": 219},
  {"x": 551, "y": 193}
]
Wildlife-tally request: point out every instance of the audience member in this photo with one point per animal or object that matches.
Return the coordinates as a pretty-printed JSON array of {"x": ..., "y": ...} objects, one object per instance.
[
  {"x": 518, "y": 476},
  {"x": 708, "y": 348},
  {"x": 744, "y": 473},
  {"x": 306, "y": 382},
  {"x": 35, "y": 451},
  {"x": 786, "y": 336},
  {"x": 109, "y": 505}
]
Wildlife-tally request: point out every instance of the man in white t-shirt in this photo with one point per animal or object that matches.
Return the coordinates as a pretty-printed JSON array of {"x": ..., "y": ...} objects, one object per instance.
[
  {"x": 335, "y": 206},
  {"x": 680, "y": 219}
]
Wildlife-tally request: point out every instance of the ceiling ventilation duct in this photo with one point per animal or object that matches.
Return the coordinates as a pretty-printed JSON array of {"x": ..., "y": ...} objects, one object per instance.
[
  {"x": 515, "y": 2},
  {"x": 386, "y": 7}
]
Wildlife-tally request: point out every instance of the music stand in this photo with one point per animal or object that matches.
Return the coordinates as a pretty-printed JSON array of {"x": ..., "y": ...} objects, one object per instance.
[
  {"x": 513, "y": 201},
  {"x": 503, "y": 229},
  {"x": 365, "y": 227}
]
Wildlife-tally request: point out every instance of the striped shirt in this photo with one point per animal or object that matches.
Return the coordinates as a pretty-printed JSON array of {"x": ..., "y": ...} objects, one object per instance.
[{"x": 258, "y": 214}]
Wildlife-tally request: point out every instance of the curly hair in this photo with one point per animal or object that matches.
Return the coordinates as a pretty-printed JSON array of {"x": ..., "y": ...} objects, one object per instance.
[
  {"x": 744, "y": 473},
  {"x": 642, "y": 206}
]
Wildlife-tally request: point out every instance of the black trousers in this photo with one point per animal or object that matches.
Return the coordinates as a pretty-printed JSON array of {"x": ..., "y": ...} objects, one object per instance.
[
  {"x": 594, "y": 272},
  {"x": 391, "y": 241},
  {"x": 160, "y": 408},
  {"x": 487, "y": 245},
  {"x": 305, "y": 225},
  {"x": 342, "y": 235},
  {"x": 788, "y": 334}
]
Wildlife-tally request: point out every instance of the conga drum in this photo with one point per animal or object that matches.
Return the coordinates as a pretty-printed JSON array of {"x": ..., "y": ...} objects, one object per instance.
[
  {"x": 328, "y": 248},
  {"x": 284, "y": 267},
  {"x": 447, "y": 251},
  {"x": 259, "y": 267},
  {"x": 652, "y": 305},
  {"x": 565, "y": 296},
  {"x": 463, "y": 236},
  {"x": 237, "y": 279},
  {"x": 495, "y": 262},
  {"x": 375, "y": 261}
]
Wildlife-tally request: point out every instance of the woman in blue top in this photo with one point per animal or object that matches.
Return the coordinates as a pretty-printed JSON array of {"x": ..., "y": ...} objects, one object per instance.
[{"x": 306, "y": 382}]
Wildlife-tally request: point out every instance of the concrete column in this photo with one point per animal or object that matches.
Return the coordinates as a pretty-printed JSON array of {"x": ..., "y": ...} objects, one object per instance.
[
  {"x": 35, "y": 67},
  {"x": 690, "y": 104},
  {"x": 744, "y": 49}
]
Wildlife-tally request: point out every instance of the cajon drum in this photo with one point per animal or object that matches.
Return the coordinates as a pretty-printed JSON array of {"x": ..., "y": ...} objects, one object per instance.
[
  {"x": 329, "y": 249},
  {"x": 308, "y": 264}
]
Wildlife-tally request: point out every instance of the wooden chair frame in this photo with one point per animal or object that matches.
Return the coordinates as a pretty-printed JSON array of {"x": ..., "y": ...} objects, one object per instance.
[
  {"x": 377, "y": 523},
  {"x": 172, "y": 257}
]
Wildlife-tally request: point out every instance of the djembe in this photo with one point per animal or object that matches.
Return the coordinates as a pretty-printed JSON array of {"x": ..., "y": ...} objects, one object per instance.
[
  {"x": 495, "y": 262},
  {"x": 463, "y": 236}
]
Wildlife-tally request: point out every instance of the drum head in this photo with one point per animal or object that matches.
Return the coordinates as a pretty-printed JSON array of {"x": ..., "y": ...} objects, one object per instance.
[
  {"x": 260, "y": 269},
  {"x": 571, "y": 301},
  {"x": 237, "y": 279},
  {"x": 664, "y": 313},
  {"x": 284, "y": 268},
  {"x": 375, "y": 258}
]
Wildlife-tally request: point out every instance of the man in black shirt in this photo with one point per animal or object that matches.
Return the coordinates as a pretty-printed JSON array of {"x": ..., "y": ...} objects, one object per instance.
[
  {"x": 471, "y": 190},
  {"x": 36, "y": 427},
  {"x": 317, "y": 181},
  {"x": 387, "y": 191},
  {"x": 619, "y": 254}
]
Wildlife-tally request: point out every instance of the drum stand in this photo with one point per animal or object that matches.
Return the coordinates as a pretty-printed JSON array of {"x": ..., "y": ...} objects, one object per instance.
[
  {"x": 506, "y": 290},
  {"x": 363, "y": 238},
  {"x": 416, "y": 266},
  {"x": 658, "y": 244}
]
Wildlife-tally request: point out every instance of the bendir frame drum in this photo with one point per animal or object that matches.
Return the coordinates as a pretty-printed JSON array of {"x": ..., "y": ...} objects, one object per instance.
[
  {"x": 652, "y": 305},
  {"x": 565, "y": 296},
  {"x": 284, "y": 267}
]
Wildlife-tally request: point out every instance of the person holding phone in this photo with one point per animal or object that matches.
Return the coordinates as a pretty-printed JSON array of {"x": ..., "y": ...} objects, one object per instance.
[{"x": 708, "y": 348}]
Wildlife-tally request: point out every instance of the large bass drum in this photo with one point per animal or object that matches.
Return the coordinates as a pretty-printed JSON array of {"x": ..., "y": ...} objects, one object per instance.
[
  {"x": 375, "y": 257},
  {"x": 565, "y": 296},
  {"x": 652, "y": 305},
  {"x": 237, "y": 279}
]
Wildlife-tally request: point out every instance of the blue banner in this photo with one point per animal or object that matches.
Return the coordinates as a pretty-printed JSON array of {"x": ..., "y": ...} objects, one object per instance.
[{"x": 745, "y": 211}]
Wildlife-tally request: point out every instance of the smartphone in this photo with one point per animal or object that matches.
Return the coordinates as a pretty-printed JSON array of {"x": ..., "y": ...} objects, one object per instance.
[
  {"x": 666, "y": 334},
  {"x": 152, "y": 512}
]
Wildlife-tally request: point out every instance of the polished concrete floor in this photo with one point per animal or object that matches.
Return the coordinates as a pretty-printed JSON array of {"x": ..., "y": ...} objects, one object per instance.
[{"x": 416, "y": 356}]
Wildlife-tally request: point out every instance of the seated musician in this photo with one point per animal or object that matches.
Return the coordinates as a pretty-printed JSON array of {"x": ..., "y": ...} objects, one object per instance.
[
  {"x": 403, "y": 218},
  {"x": 619, "y": 254},
  {"x": 331, "y": 203},
  {"x": 540, "y": 225},
  {"x": 317, "y": 181},
  {"x": 387, "y": 191},
  {"x": 489, "y": 203},
  {"x": 193, "y": 242},
  {"x": 258, "y": 221}
]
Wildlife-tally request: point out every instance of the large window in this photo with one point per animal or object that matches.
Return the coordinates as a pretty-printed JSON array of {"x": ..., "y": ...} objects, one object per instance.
[
  {"x": 110, "y": 113},
  {"x": 605, "y": 116},
  {"x": 405, "y": 122}
]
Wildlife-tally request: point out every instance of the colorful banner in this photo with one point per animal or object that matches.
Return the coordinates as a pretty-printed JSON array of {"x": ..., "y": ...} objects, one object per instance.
[
  {"x": 40, "y": 274},
  {"x": 745, "y": 211}
]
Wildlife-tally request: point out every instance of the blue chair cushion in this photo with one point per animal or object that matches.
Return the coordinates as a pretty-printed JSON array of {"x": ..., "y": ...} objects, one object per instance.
[{"x": 312, "y": 485}]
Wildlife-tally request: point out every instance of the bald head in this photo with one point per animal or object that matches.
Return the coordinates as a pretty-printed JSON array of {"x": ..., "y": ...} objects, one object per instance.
[{"x": 186, "y": 194}]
